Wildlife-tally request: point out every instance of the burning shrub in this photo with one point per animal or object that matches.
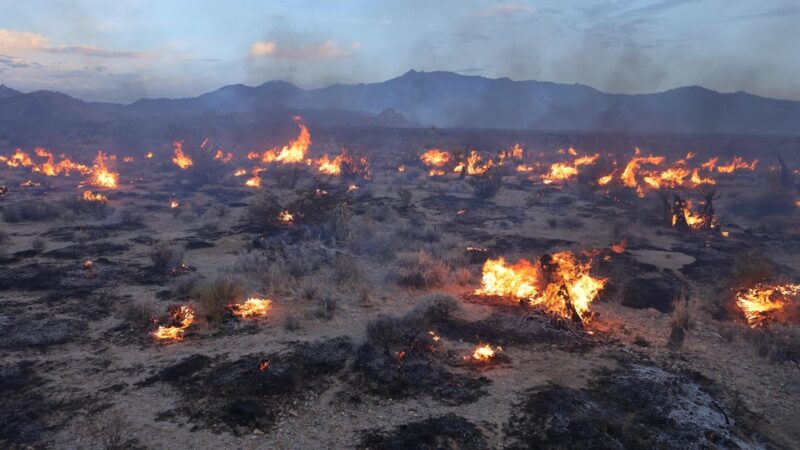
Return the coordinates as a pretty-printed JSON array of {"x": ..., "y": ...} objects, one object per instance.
[
  {"x": 166, "y": 257},
  {"x": 420, "y": 270},
  {"x": 32, "y": 211},
  {"x": 214, "y": 297}
]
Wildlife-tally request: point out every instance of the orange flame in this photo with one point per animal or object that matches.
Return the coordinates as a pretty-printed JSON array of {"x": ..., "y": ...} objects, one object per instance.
[
  {"x": 252, "y": 307},
  {"x": 181, "y": 159},
  {"x": 179, "y": 320},
  {"x": 758, "y": 302},
  {"x": 254, "y": 181},
  {"x": 485, "y": 352},
  {"x": 294, "y": 152},
  {"x": 286, "y": 217},
  {"x": 435, "y": 157},
  {"x": 737, "y": 164},
  {"x": 561, "y": 285},
  {"x": 224, "y": 157},
  {"x": 98, "y": 197},
  {"x": 101, "y": 175}
]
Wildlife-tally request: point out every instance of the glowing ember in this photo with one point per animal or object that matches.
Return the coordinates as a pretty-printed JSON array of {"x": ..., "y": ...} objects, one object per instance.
[
  {"x": 401, "y": 168},
  {"x": 252, "y": 307},
  {"x": 224, "y": 157},
  {"x": 127, "y": 159},
  {"x": 179, "y": 320},
  {"x": 148, "y": 155},
  {"x": 286, "y": 217},
  {"x": 239, "y": 172},
  {"x": 294, "y": 152},
  {"x": 180, "y": 159},
  {"x": 263, "y": 365},
  {"x": 619, "y": 247},
  {"x": 101, "y": 175},
  {"x": 173, "y": 204},
  {"x": 759, "y": 302},
  {"x": 560, "y": 284},
  {"x": 98, "y": 197}
]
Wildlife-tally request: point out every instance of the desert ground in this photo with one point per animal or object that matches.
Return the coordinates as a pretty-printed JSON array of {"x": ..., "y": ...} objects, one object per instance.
[{"x": 121, "y": 321}]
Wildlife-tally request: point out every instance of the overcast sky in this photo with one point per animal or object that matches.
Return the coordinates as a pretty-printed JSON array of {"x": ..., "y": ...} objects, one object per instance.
[{"x": 123, "y": 50}]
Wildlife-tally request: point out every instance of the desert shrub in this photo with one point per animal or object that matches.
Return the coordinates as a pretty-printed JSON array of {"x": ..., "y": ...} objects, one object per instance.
[
  {"x": 552, "y": 222},
  {"x": 681, "y": 320},
  {"x": 32, "y": 211},
  {"x": 291, "y": 323},
  {"x": 564, "y": 200},
  {"x": 487, "y": 184},
  {"x": 327, "y": 307},
  {"x": 185, "y": 286},
  {"x": 765, "y": 203},
  {"x": 165, "y": 256},
  {"x": 277, "y": 279},
  {"x": 462, "y": 276},
  {"x": 404, "y": 197},
  {"x": 418, "y": 232},
  {"x": 380, "y": 245},
  {"x": 749, "y": 268},
  {"x": 309, "y": 289},
  {"x": 213, "y": 297},
  {"x": 345, "y": 268},
  {"x": 429, "y": 310},
  {"x": 80, "y": 206},
  {"x": 139, "y": 313},
  {"x": 131, "y": 216},
  {"x": 420, "y": 270},
  {"x": 571, "y": 223},
  {"x": 5, "y": 241},
  {"x": 262, "y": 213},
  {"x": 779, "y": 225},
  {"x": 39, "y": 245}
]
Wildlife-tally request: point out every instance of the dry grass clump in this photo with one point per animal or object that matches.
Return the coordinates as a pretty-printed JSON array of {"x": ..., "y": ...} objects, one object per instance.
[
  {"x": 131, "y": 216},
  {"x": 681, "y": 321},
  {"x": 749, "y": 268},
  {"x": 166, "y": 256},
  {"x": 32, "y": 211},
  {"x": 345, "y": 269},
  {"x": 213, "y": 297},
  {"x": 140, "y": 312},
  {"x": 420, "y": 270}
]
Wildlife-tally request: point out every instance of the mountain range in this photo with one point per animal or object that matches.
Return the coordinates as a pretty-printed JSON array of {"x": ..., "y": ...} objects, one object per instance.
[{"x": 442, "y": 99}]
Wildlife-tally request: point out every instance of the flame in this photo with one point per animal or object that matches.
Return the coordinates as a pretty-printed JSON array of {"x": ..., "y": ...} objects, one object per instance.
[
  {"x": 697, "y": 179},
  {"x": 737, "y": 164},
  {"x": 286, "y": 217},
  {"x": 619, "y": 247},
  {"x": 693, "y": 219},
  {"x": 758, "y": 302},
  {"x": 173, "y": 203},
  {"x": 101, "y": 175},
  {"x": 602, "y": 181},
  {"x": 472, "y": 164},
  {"x": 127, "y": 159},
  {"x": 485, "y": 352},
  {"x": 560, "y": 286},
  {"x": 18, "y": 159},
  {"x": 401, "y": 168},
  {"x": 254, "y": 181},
  {"x": 148, "y": 155},
  {"x": 263, "y": 365},
  {"x": 435, "y": 157},
  {"x": 239, "y": 172},
  {"x": 181, "y": 159},
  {"x": 294, "y": 152},
  {"x": 98, "y": 197},
  {"x": 561, "y": 171},
  {"x": 224, "y": 157},
  {"x": 179, "y": 320},
  {"x": 252, "y": 307}
]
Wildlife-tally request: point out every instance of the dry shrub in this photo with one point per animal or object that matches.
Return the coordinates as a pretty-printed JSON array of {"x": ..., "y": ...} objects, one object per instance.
[
  {"x": 32, "y": 211},
  {"x": 681, "y": 321},
  {"x": 213, "y": 297},
  {"x": 309, "y": 289},
  {"x": 140, "y": 312},
  {"x": 277, "y": 279},
  {"x": 291, "y": 323},
  {"x": 487, "y": 184},
  {"x": 404, "y": 197},
  {"x": 327, "y": 307},
  {"x": 462, "y": 276},
  {"x": 429, "y": 310},
  {"x": 5, "y": 241},
  {"x": 262, "y": 214},
  {"x": 345, "y": 268},
  {"x": 777, "y": 343},
  {"x": 131, "y": 216},
  {"x": 749, "y": 268},
  {"x": 166, "y": 256},
  {"x": 420, "y": 270},
  {"x": 39, "y": 245},
  {"x": 571, "y": 223}
]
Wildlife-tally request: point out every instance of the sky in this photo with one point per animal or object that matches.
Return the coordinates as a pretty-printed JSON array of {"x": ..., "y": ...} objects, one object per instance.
[{"x": 123, "y": 50}]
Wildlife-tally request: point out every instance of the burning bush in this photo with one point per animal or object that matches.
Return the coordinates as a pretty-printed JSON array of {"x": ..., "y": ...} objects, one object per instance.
[
  {"x": 420, "y": 270},
  {"x": 558, "y": 283},
  {"x": 180, "y": 318},
  {"x": 763, "y": 303}
]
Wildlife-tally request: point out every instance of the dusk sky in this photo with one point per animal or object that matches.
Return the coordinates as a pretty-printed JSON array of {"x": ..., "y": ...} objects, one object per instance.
[{"x": 124, "y": 50}]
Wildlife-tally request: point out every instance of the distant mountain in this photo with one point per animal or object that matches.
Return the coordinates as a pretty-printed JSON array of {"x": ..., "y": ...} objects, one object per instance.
[
  {"x": 442, "y": 99},
  {"x": 6, "y": 91}
]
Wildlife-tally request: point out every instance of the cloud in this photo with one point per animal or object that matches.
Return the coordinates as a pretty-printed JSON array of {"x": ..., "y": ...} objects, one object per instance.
[
  {"x": 325, "y": 50},
  {"x": 506, "y": 9},
  {"x": 23, "y": 42}
]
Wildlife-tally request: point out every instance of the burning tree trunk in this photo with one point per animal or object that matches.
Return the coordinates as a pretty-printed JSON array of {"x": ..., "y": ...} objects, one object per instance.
[
  {"x": 681, "y": 319},
  {"x": 707, "y": 213},
  {"x": 678, "y": 218}
]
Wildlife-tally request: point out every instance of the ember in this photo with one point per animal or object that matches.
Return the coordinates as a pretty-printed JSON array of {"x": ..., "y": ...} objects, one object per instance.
[
  {"x": 180, "y": 319},
  {"x": 559, "y": 284},
  {"x": 263, "y": 365},
  {"x": 759, "y": 302},
  {"x": 252, "y": 307},
  {"x": 286, "y": 217}
]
